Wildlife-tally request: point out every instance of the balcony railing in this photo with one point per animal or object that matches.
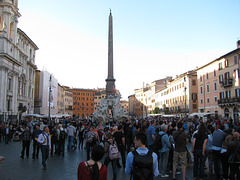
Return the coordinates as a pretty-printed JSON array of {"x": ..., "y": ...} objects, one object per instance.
[
  {"x": 229, "y": 101},
  {"x": 227, "y": 82}
]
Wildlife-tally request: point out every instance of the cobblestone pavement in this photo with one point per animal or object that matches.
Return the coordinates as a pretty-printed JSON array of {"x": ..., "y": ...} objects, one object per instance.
[{"x": 59, "y": 168}]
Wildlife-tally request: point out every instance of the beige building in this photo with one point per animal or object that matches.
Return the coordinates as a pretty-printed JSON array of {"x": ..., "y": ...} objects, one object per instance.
[
  {"x": 208, "y": 88},
  {"x": 17, "y": 65},
  {"x": 218, "y": 90},
  {"x": 146, "y": 95},
  {"x": 180, "y": 95},
  {"x": 229, "y": 79},
  {"x": 68, "y": 101}
]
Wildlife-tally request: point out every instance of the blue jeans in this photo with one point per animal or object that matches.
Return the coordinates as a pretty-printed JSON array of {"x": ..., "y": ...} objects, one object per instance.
[
  {"x": 163, "y": 162},
  {"x": 70, "y": 142},
  {"x": 114, "y": 166},
  {"x": 198, "y": 157}
]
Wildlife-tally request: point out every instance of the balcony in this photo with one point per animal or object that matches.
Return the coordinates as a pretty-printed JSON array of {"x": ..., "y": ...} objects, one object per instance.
[
  {"x": 227, "y": 82},
  {"x": 229, "y": 102}
]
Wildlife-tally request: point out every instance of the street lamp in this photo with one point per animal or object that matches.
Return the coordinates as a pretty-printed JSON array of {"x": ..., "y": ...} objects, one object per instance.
[
  {"x": 49, "y": 99},
  {"x": 185, "y": 89}
]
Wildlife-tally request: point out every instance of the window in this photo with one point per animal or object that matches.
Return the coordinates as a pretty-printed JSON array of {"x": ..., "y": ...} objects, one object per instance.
[
  {"x": 237, "y": 93},
  {"x": 207, "y": 77},
  {"x": 208, "y": 88},
  {"x": 226, "y": 75},
  {"x": 220, "y": 78},
  {"x": 215, "y": 86},
  {"x": 201, "y": 89},
  {"x": 194, "y": 106},
  {"x": 201, "y": 101},
  {"x": 235, "y": 60},
  {"x": 214, "y": 73},
  {"x": 221, "y": 95},
  {"x": 208, "y": 100},
  {"x": 193, "y": 83},
  {"x": 220, "y": 66},
  {"x": 236, "y": 74},
  {"x": 215, "y": 98},
  {"x": 226, "y": 63},
  {"x": 194, "y": 97},
  {"x": 200, "y": 78},
  {"x": 228, "y": 94}
]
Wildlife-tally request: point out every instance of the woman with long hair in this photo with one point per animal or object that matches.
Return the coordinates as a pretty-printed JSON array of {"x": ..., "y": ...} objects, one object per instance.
[
  {"x": 198, "y": 148},
  {"x": 93, "y": 169}
]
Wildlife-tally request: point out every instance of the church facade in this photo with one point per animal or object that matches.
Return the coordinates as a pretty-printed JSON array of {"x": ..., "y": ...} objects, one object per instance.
[{"x": 17, "y": 65}]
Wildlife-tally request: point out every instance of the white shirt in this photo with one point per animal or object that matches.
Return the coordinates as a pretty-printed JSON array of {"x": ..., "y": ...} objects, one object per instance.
[{"x": 42, "y": 137}]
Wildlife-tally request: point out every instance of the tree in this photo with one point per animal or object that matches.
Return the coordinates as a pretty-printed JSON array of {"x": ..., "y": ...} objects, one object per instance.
[{"x": 156, "y": 110}]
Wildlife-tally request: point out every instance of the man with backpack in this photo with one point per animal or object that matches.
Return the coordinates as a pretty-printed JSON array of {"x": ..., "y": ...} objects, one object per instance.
[
  {"x": 164, "y": 148},
  {"x": 142, "y": 163}
]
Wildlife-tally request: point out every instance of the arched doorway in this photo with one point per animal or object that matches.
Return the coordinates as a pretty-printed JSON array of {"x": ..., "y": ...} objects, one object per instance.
[
  {"x": 235, "y": 114},
  {"x": 226, "y": 113}
]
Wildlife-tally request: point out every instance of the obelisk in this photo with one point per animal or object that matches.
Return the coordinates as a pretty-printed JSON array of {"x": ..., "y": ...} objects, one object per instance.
[{"x": 110, "y": 87}]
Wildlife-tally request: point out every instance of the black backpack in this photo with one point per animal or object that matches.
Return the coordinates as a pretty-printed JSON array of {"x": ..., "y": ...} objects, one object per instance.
[
  {"x": 62, "y": 135},
  {"x": 142, "y": 166},
  {"x": 158, "y": 142}
]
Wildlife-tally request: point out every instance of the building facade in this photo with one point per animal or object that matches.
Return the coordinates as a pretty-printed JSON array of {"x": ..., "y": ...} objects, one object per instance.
[
  {"x": 135, "y": 107},
  {"x": 83, "y": 102},
  {"x": 180, "y": 95},
  {"x": 229, "y": 80},
  {"x": 47, "y": 97},
  {"x": 209, "y": 88},
  {"x": 68, "y": 101},
  {"x": 60, "y": 99},
  {"x": 17, "y": 65},
  {"x": 147, "y": 94}
]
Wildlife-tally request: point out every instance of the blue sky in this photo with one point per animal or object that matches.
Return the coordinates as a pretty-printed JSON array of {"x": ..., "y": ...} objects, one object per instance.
[{"x": 152, "y": 39}]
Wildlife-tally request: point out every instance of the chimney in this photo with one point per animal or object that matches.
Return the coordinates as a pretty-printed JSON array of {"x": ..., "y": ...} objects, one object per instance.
[{"x": 238, "y": 44}]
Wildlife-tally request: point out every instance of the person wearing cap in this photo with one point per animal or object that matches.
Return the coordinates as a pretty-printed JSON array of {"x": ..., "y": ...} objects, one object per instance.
[{"x": 45, "y": 141}]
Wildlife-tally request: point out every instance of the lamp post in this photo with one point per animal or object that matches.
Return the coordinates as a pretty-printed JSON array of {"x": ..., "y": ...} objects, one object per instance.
[
  {"x": 49, "y": 99},
  {"x": 185, "y": 89}
]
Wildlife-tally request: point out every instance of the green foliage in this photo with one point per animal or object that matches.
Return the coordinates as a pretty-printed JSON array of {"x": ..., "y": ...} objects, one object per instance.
[{"x": 156, "y": 110}]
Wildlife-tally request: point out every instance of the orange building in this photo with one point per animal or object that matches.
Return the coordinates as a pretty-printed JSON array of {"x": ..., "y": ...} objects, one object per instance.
[{"x": 83, "y": 102}]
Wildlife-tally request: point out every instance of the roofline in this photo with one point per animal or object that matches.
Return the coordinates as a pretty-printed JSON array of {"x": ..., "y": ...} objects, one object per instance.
[
  {"x": 218, "y": 59},
  {"x": 25, "y": 35}
]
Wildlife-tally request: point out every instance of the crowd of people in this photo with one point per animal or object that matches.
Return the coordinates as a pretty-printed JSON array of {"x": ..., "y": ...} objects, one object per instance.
[{"x": 144, "y": 148}]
